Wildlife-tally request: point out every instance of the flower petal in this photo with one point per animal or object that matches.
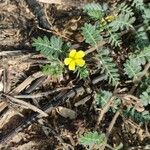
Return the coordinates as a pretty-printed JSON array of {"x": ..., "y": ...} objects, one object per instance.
[
  {"x": 67, "y": 61},
  {"x": 79, "y": 54},
  {"x": 72, "y": 65},
  {"x": 72, "y": 53},
  {"x": 110, "y": 18},
  {"x": 80, "y": 62}
]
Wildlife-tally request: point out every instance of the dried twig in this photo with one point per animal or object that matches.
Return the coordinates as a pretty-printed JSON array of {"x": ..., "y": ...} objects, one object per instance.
[
  {"x": 130, "y": 100},
  {"x": 99, "y": 45},
  {"x": 51, "y": 1},
  {"x": 16, "y": 52},
  {"x": 83, "y": 101},
  {"x": 26, "y": 105},
  {"x": 55, "y": 33},
  {"x": 104, "y": 110},
  {"x": 28, "y": 81},
  {"x": 65, "y": 2},
  {"x": 42, "y": 94},
  {"x": 111, "y": 125}
]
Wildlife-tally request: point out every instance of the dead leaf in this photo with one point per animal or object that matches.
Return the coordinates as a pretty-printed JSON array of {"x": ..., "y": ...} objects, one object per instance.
[
  {"x": 66, "y": 113},
  {"x": 82, "y": 101},
  {"x": 1, "y": 86},
  {"x": 51, "y": 1}
]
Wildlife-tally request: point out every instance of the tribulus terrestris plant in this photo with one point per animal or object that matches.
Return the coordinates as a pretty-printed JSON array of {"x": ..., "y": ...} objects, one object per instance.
[{"x": 105, "y": 36}]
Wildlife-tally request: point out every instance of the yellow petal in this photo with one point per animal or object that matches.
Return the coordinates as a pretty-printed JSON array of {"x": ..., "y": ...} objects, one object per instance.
[
  {"x": 72, "y": 53},
  {"x": 80, "y": 62},
  {"x": 79, "y": 54},
  {"x": 72, "y": 65},
  {"x": 109, "y": 18},
  {"x": 67, "y": 61}
]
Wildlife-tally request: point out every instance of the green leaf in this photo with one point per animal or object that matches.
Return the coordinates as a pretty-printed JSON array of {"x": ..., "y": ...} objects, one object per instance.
[
  {"x": 122, "y": 22},
  {"x": 92, "y": 139},
  {"x": 103, "y": 97},
  {"x": 49, "y": 48},
  {"x": 146, "y": 15},
  {"x": 132, "y": 66},
  {"x": 143, "y": 56},
  {"x": 94, "y": 10},
  {"x": 141, "y": 38},
  {"x": 138, "y": 4},
  {"x": 82, "y": 72},
  {"x": 145, "y": 97},
  {"x": 55, "y": 69},
  {"x": 146, "y": 53},
  {"x": 139, "y": 117},
  {"x": 114, "y": 39},
  {"x": 123, "y": 8},
  {"x": 91, "y": 34},
  {"x": 108, "y": 66},
  {"x": 117, "y": 103},
  {"x": 132, "y": 69}
]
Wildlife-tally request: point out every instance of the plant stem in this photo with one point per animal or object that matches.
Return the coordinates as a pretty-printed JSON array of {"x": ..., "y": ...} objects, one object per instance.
[{"x": 95, "y": 48}]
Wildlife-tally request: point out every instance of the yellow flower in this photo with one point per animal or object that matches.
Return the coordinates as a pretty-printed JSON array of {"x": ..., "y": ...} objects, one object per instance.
[
  {"x": 75, "y": 59},
  {"x": 110, "y": 18},
  {"x": 103, "y": 22}
]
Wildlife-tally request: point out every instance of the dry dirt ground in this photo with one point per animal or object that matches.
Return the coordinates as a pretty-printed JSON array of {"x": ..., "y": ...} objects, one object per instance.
[{"x": 19, "y": 23}]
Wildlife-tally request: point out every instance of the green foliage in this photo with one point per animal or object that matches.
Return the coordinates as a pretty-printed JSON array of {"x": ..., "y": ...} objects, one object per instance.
[
  {"x": 146, "y": 53},
  {"x": 123, "y": 8},
  {"x": 49, "y": 48},
  {"x": 65, "y": 50},
  {"x": 52, "y": 49},
  {"x": 91, "y": 34},
  {"x": 143, "y": 56},
  {"x": 145, "y": 97},
  {"x": 82, "y": 72},
  {"x": 55, "y": 69},
  {"x": 132, "y": 66},
  {"x": 92, "y": 139},
  {"x": 94, "y": 10},
  {"x": 108, "y": 66},
  {"x": 143, "y": 9},
  {"x": 141, "y": 38},
  {"x": 146, "y": 15},
  {"x": 144, "y": 86},
  {"x": 139, "y": 117},
  {"x": 114, "y": 39},
  {"x": 138, "y": 4},
  {"x": 132, "y": 69},
  {"x": 108, "y": 26},
  {"x": 123, "y": 21},
  {"x": 117, "y": 103},
  {"x": 103, "y": 97}
]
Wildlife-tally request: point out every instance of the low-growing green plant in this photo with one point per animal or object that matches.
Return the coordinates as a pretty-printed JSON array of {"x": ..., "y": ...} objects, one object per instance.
[
  {"x": 102, "y": 98},
  {"x": 55, "y": 50},
  {"x": 95, "y": 140},
  {"x": 133, "y": 65},
  {"x": 52, "y": 49},
  {"x": 82, "y": 72},
  {"x": 139, "y": 117},
  {"x": 145, "y": 97},
  {"x": 112, "y": 25},
  {"x": 105, "y": 32}
]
